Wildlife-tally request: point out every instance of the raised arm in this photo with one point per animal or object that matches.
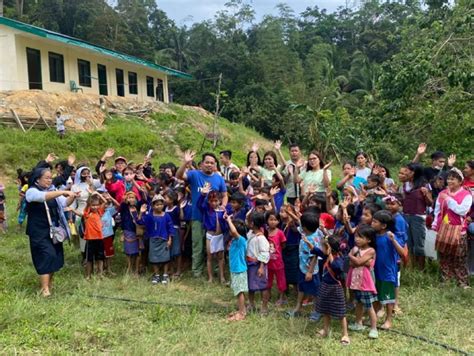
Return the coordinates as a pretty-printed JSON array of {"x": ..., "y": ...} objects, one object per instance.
[
  {"x": 187, "y": 159},
  {"x": 419, "y": 152}
]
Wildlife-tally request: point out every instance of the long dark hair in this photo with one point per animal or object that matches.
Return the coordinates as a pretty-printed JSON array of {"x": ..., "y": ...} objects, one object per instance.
[
  {"x": 418, "y": 177},
  {"x": 259, "y": 160},
  {"x": 321, "y": 162}
]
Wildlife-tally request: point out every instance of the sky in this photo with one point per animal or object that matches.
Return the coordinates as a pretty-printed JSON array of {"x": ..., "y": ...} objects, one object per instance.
[{"x": 190, "y": 11}]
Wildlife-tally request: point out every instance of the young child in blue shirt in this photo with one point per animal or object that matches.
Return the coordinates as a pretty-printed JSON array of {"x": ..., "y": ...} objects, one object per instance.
[
  {"x": 308, "y": 283},
  {"x": 400, "y": 229},
  {"x": 386, "y": 264},
  {"x": 160, "y": 230},
  {"x": 238, "y": 266},
  {"x": 214, "y": 223}
]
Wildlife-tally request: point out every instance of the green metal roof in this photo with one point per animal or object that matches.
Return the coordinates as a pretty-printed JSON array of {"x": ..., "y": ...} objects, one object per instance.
[{"x": 38, "y": 31}]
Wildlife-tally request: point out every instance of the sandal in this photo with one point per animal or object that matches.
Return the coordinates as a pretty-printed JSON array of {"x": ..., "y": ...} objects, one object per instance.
[
  {"x": 345, "y": 341},
  {"x": 292, "y": 314}
]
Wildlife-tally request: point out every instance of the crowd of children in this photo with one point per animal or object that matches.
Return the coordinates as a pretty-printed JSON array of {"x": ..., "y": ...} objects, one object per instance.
[{"x": 340, "y": 249}]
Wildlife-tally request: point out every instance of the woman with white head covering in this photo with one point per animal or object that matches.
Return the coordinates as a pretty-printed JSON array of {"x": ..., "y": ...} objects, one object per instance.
[{"x": 45, "y": 209}]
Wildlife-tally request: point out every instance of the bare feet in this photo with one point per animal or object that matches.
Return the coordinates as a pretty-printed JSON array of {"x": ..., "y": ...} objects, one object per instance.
[
  {"x": 322, "y": 333},
  {"x": 45, "y": 293},
  {"x": 387, "y": 325},
  {"x": 238, "y": 316}
]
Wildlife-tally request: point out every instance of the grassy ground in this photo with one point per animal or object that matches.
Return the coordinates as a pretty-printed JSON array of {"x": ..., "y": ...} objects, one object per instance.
[
  {"x": 189, "y": 315},
  {"x": 167, "y": 133}
]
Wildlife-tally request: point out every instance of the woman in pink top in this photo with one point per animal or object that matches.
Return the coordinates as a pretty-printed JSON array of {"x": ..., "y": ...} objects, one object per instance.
[
  {"x": 360, "y": 278},
  {"x": 452, "y": 206}
]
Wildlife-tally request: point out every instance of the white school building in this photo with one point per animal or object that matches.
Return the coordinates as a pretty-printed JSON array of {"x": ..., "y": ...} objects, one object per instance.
[{"x": 35, "y": 58}]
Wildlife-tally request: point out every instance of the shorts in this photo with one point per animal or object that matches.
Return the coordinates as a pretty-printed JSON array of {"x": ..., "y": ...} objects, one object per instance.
[
  {"x": 365, "y": 298},
  {"x": 239, "y": 283},
  {"x": 94, "y": 250},
  {"x": 309, "y": 287},
  {"x": 159, "y": 251},
  {"x": 216, "y": 242},
  {"x": 385, "y": 291},
  {"x": 109, "y": 250},
  {"x": 280, "y": 279}
]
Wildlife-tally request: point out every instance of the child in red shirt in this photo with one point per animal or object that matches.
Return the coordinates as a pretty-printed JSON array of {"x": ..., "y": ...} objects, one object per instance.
[{"x": 276, "y": 268}]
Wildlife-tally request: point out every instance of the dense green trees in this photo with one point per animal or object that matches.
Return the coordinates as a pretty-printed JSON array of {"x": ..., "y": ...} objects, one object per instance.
[{"x": 381, "y": 77}]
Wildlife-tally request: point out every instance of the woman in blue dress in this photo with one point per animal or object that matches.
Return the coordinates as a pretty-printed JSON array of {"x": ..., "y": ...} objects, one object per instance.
[{"x": 48, "y": 258}]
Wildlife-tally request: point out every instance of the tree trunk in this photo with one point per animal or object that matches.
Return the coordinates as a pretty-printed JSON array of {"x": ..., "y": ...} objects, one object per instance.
[
  {"x": 19, "y": 7},
  {"x": 1, "y": 8}
]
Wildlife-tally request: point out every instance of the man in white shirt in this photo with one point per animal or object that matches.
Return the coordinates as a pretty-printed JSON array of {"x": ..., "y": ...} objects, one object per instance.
[{"x": 227, "y": 167}]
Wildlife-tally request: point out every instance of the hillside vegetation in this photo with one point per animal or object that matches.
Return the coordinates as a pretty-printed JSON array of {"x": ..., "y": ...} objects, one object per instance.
[{"x": 170, "y": 133}]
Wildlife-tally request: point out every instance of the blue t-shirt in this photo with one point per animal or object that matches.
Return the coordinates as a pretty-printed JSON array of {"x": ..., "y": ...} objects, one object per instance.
[
  {"x": 400, "y": 229},
  {"x": 305, "y": 253},
  {"x": 386, "y": 261},
  {"x": 106, "y": 219},
  {"x": 279, "y": 199},
  {"x": 237, "y": 253},
  {"x": 196, "y": 180}
]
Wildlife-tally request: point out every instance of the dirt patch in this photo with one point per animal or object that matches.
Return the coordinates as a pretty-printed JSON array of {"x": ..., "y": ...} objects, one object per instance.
[{"x": 85, "y": 111}]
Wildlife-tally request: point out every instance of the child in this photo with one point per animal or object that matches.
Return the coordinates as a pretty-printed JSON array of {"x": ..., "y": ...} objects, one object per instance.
[
  {"x": 258, "y": 255},
  {"x": 128, "y": 216},
  {"x": 160, "y": 230},
  {"x": 276, "y": 268},
  {"x": 107, "y": 221},
  {"x": 173, "y": 210},
  {"x": 22, "y": 188},
  {"x": 3, "y": 217},
  {"x": 60, "y": 127},
  {"x": 238, "y": 266},
  {"x": 236, "y": 206},
  {"x": 308, "y": 282},
  {"x": 387, "y": 248},
  {"x": 289, "y": 226},
  {"x": 93, "y": 235},
  {"x": 360, "y": 278},
  {"x": 400, "y": 229},
  {"x": 215, "y": 226},
  {"x": 331, "y": 301}
]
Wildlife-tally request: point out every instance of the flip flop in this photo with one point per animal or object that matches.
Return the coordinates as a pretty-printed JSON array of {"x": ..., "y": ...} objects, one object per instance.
[
  {"x": 292, "y": 314},
  {"x": 345, "y": 341}
]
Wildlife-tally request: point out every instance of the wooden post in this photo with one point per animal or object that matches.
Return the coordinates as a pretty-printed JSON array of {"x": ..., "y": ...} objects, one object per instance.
[
  {"x": 216, "y": 114},
  {"x": 41, "y": 116},
  {"x": 17, "y": 119}
]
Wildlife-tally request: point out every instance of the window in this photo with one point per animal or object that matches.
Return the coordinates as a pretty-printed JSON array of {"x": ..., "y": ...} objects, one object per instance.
[
  {"x": 132, "y": 83},
  {"x": 150, "y": 87},
  {"x": 56, "y": 67},
  {"x": 120, "y": 83},
  {"x": 84, "y": 68}
]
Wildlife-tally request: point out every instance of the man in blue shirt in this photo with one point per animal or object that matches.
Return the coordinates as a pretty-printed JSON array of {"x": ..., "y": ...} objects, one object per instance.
[{"x": 197, "y": 179}]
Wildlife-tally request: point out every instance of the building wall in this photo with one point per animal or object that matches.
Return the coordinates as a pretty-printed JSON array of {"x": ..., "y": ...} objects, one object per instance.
[{"x": 14, "y": 70}]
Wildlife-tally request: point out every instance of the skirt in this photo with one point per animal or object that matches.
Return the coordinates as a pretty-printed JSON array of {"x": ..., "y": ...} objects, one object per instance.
[
  {"x": 291, "y": 260},
  {"x": 331, "y": 300},
  {"x": 130, "y": 243},
  {"x": 47, "y": 257},
  {"x": 239, "y": 283},
  {"x": 176, "y": 244},
  {"x": 159, "y": 251},
  {"x": 255, "y": 282}
]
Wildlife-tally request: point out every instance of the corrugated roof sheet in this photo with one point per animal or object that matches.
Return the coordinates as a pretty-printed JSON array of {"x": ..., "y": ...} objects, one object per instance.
[{"x": 38, "y": 31}]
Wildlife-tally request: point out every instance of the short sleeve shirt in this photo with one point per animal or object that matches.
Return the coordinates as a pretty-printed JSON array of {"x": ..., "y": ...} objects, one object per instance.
[
  {"x": 276, "y": 257},
  {"x": 314, "y": 178},
  {"x": 237, "y": 253},
  {"x": 197, "y": 179}
]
